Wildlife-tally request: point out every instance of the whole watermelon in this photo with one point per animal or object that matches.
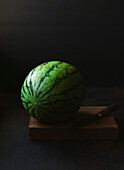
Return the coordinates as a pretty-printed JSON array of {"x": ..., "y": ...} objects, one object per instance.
[{"x": 53, "y": 92}]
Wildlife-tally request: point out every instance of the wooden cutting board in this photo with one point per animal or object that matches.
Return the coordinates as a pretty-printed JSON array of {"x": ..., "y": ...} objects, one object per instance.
[{"x": 105, "y": 128}]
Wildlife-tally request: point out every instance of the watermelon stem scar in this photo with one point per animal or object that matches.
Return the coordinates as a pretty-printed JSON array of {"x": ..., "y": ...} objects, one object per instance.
[{"x": 35, "y": 103}]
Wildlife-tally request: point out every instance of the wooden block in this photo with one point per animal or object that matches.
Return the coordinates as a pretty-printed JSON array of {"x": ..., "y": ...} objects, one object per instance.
[{"x": 102, "y": 129}]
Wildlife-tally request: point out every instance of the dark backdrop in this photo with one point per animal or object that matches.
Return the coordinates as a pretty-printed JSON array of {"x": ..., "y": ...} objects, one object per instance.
[{"x": 88, "y": 34}]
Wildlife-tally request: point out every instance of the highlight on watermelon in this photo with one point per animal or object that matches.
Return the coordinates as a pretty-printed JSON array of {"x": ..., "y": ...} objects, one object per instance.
[{"x": 53, "y": 92}]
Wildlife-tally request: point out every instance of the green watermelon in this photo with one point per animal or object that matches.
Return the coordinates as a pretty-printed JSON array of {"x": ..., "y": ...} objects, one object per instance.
[{"x": 53, "y": 92}]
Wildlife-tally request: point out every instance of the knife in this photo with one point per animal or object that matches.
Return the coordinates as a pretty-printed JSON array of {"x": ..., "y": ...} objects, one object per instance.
[{"x": 95, "y": 117}]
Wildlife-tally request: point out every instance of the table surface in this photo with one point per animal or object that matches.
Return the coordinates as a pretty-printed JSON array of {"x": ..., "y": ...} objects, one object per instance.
[{"x": 18, "y": 153}]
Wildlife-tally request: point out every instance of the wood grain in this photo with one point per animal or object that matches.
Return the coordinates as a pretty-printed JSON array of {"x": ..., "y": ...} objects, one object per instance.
[{"x": 105, "y": 128}]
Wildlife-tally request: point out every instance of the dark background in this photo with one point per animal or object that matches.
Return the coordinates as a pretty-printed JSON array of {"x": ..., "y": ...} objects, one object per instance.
[{"x": 88, "y": 34}]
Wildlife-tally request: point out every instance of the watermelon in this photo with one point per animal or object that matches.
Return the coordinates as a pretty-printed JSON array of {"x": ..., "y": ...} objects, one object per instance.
[{"x": 53, "y": 92}]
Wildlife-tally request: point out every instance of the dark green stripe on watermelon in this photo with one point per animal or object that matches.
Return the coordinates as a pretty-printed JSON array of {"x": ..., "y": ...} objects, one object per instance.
[
  {"x": 46, "y": 75},
  {"x": 42, "y": 116},
  {"x": 27, "y": 87},
  {"x": 24, "y": 94},
  {"x": 30, "y": 82},
  {"x": 58, "y": 80},
  {"x": 26, "y": 102},
  {"x": 62, "y": 93}
]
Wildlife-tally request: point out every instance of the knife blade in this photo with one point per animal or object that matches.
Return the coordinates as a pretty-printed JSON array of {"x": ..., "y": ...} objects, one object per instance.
[{"x": 109, "y": 109}]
